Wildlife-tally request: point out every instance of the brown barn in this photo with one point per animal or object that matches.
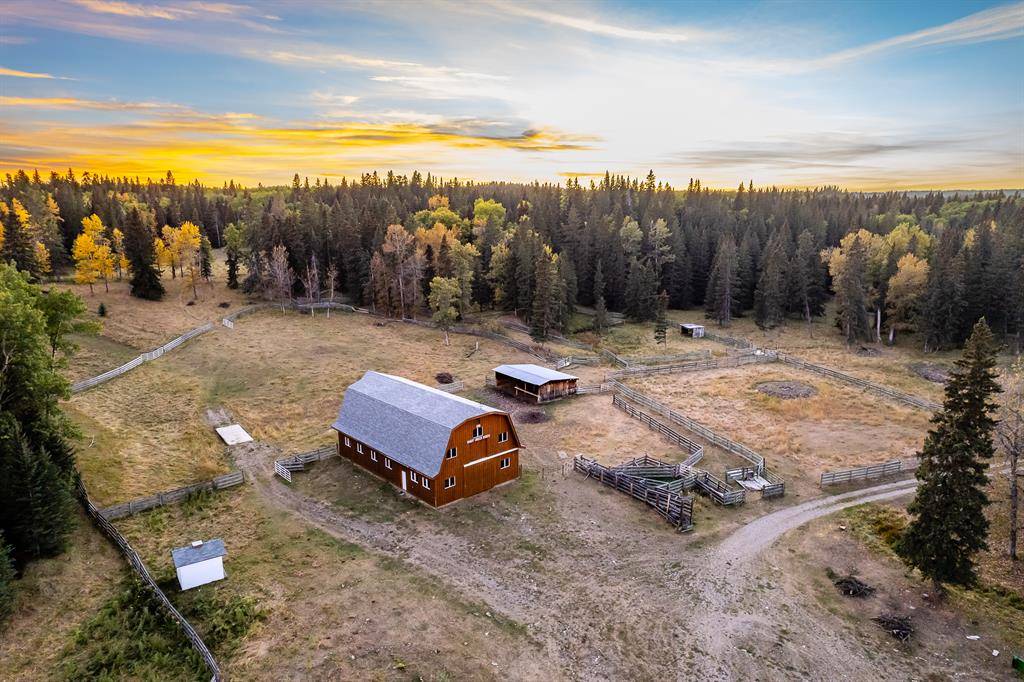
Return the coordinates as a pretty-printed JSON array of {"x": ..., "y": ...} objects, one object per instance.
[
  {"x": 431, "y": 444},
  {"x": 534, "y": 383}
]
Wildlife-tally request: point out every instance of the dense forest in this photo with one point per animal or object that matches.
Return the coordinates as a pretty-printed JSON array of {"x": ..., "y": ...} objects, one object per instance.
[{"x": 895, "y": 263}]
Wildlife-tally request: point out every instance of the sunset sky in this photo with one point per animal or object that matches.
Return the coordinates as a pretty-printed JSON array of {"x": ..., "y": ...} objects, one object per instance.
[{"x": 865, "y": 95}]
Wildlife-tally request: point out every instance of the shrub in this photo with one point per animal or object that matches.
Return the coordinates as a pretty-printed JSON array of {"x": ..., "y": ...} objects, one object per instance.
[{"x": 102, "y": 310}]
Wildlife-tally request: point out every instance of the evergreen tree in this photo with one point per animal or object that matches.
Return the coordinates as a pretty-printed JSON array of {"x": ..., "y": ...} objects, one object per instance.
[
  {"x": 747, "y": 269},
  {"x": 944, "y": 294},
  {"x": 205, "y": 258},
  {"x": 141, "y": 254},
  {"x": 543, "y": 300},
  {"x": 807, "y": 278},
  {"x": 661, "y": 318},
  {"x": 37, "y": 512},
  {"x": 770, "y": 296},
  {"x": 720, "y": 301},
  {"x": 948, "y": 525},
  {"x": 18, "y": 242},
  {"x": 600, "y": 310},
  {"x": 851, "y": 294},
  {"x": 7, "y": 576},
  {"x": 233, "y": 252}
]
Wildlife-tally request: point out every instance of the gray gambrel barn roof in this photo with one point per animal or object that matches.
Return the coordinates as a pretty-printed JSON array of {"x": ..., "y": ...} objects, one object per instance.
[
  {"x": 533, "y": 374},
  {"x": 404, "y": 420}
]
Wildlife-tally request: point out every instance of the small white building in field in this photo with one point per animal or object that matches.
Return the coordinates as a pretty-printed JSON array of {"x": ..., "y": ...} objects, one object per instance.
[
  {"x": 694, "y": 330},
  {"x": 199, "y": 563}
]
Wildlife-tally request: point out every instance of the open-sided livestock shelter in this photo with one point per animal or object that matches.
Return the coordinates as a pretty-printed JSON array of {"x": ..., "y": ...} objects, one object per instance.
[
  {"x": 534, "y": 383},
  {"x": 694, "y": 330},
  {"x": 434, "y": 445}
]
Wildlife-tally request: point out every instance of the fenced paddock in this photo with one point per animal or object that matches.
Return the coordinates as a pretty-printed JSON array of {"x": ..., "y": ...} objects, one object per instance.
[
  {"x": 731, "y": 341},
  {"x": 845, "y": 476},
  {"x": 131, "y": 507},
  {"x": 690, "y": 366},
  {"x": 905, "y": 398},
  {"x": 86, "y": 384},
  {"x": 139, "y": 566},
  {"x": 662, "y": 496},
  {"x": 773, "y": 485}
]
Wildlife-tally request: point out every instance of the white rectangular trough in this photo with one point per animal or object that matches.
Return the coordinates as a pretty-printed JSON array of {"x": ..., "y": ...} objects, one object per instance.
[{"x": 233, "y": 434}]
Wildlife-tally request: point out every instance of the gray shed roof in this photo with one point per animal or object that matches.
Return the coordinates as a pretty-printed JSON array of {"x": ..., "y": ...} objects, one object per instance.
[
  {"x": 533, "y": 374},
  {"x": 186, "y": 556},
  {"x": 407, "y": 421},
  {"x": 691, "y": 325}
]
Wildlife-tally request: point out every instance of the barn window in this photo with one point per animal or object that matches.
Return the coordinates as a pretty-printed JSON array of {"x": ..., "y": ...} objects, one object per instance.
[
  {"x": 359, "y": 448},
  {"x": 426, "y": 483},
  {"x": 503, "y": 436},
  {"x": 478, "y": 431},
  {"x": 387, "y": 463},
  {"x": 452, "y": 453},
  {"x": 415, "y": 478},
  {"x": 348, "y": 443},
  {"x": 373, "y": 455},
  {"x": 506, "y": 462},
  {"x": 449, "y": 482}
]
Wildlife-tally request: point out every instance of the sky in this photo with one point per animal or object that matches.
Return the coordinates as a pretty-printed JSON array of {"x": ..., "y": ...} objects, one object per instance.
[{"x": 864, "y": 95}]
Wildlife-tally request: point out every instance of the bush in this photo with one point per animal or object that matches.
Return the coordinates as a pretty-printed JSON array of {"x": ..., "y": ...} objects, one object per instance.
[{"x": 102, "y": 310}]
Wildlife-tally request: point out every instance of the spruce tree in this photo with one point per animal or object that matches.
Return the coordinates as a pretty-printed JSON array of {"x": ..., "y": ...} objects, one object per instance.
[
  {"x": 807, "y": 279},
  {"x": 600, "y": 310},
  {"x": 141, "y": 254},
  {"x": 7, "y": 576},
  {"x": 661, "y": 318},
  {"x": 770, "y": 296},
  {"x": 541, "y": 320},
  {"x": 720, "y": 301},
  {"x": 948, "y": 524},
  {"x": 944, "y": 294},
  {"x": 851, "y": 294}
]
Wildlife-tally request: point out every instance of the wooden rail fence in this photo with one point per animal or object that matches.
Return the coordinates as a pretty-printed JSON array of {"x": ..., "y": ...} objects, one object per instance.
[
  {"x": 86, "y": 384},
  {"x": 731, "y": 341},
  {"x": 890, "y": 468},
  {"x": 906, "y": 398},
  {"x": 453, "y": 387},
  {"x": 677, "y": 509},
  {"x": 136, "y": 562},
  {"x": 284, "y": 467},
  {"x": 690, "y": 366},
  {"x": 131, "y": 507}
]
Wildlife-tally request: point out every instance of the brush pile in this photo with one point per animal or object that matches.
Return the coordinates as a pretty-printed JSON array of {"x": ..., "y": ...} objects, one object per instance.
[
  {"x": 853, "y": 587},
  {"x": 897, "y": 626}
]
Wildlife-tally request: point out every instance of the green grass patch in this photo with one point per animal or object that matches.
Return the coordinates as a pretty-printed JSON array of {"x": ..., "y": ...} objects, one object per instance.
[
  {"x": 878, "y": 526},
  {"x": 133, "y": 636}
]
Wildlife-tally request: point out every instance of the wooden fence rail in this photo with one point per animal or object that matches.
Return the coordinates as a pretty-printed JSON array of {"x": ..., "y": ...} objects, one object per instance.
[
  {"x": 906, "y": 398},
  {"x": 675, "y": 508},
  {"x": 731, "y": 341},
  {"x": 284, "y": 467},
  {"x": 453, "y": 387},
  {"x": 135, "y": 561},
  {"x": 131, "y": 507},
  {"x": 841, "y": 477},
  {"x": 655, "y": 425},
  {"x": 668, "y": 359},
  {"x": 690, "y": 366},
  {"x": 86, "y": 384}
]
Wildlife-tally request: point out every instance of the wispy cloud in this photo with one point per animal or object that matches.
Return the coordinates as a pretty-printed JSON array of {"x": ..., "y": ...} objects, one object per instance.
[
  {"x": 595, "y": 25},
  {"x": 126, "y": 9},
  {"x": 79, "y": 103},
  {"x": 15, "y": 73}
]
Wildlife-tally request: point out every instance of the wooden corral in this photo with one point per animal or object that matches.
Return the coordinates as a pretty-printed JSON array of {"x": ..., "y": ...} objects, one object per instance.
[{"x": 534, "y": 383}]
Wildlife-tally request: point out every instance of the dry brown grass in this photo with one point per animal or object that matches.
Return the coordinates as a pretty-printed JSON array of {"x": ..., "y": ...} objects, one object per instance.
[
  {"x": 54, "y": 597},
  {"x": 144, "y": 432},
  {"x": 839, "y": 427},
  {"x": 333, "y": 611}
]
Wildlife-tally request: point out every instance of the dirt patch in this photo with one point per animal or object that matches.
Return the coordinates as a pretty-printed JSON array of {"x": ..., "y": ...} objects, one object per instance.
[
  {"x": 531, "y": 415},
  {"x": 930, "y": 372},
  {"x": 787, "y": 390}
]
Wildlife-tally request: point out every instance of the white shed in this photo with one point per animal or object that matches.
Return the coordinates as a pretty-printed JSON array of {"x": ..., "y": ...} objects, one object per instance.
[
  {"x": 199, "y": 563},
  {"x": 694, "y": 330}
]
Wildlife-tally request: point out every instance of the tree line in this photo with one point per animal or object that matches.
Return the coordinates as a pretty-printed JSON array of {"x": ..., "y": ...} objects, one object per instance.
[{"x": 896, "y": 262}]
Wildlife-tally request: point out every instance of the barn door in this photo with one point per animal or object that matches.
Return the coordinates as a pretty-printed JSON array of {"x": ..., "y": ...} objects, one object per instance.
[{"x": 404, "y": 487}]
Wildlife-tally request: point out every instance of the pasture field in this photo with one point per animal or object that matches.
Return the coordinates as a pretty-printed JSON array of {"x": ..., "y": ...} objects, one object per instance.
[{"x": 552, "y": 577}]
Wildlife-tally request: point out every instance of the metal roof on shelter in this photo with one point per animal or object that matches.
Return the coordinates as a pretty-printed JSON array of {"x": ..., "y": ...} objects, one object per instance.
[
  {"x": 690, "y": 325},
  {"x": 186, "y": 556},
  {"x": 404, "y": 420},
  {"x": 533, "y": 374}
]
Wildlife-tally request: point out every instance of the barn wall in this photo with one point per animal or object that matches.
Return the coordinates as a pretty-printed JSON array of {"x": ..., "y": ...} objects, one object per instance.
[
  {"x": 392, "y": 475},
  {"x": 483, "y": 475}
]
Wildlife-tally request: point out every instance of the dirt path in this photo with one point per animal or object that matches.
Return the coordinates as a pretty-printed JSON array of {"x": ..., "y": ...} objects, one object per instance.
[{"x": 609, "y": 605}]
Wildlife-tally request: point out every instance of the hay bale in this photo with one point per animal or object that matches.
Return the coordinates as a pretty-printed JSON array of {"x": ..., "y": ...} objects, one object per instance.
[{"x": 787, "y": 390}]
